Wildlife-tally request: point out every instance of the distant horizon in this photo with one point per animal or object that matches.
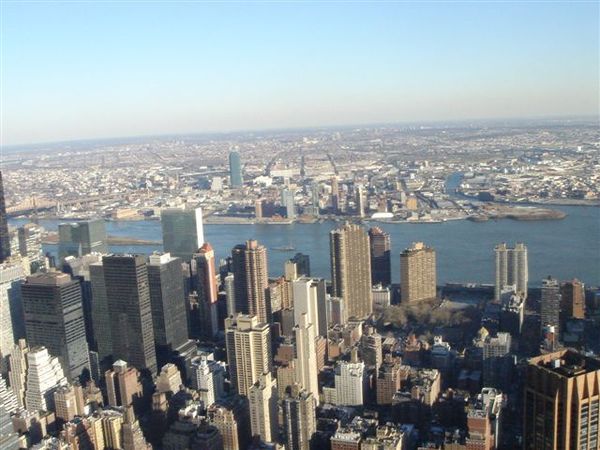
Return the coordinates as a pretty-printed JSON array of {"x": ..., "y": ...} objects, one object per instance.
[{"x": 433, "y": 124}]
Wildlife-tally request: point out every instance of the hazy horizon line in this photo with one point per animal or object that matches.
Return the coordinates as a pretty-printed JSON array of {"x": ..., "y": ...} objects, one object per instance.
[{"x": 439, "y": 122}]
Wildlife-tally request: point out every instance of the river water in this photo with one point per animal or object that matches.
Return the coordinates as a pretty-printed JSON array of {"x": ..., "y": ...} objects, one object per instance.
[{"x": 562, "y": 248}]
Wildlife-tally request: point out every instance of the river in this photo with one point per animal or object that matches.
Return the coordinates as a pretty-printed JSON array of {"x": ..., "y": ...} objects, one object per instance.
[{"x": 565, "y": 248}]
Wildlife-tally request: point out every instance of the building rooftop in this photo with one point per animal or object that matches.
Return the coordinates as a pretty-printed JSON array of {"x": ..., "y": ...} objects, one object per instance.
[{"x": 567, "y": 363}]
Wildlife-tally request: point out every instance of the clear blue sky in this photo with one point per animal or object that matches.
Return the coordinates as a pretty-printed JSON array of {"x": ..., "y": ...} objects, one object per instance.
[{"x": 105, "y": 69}]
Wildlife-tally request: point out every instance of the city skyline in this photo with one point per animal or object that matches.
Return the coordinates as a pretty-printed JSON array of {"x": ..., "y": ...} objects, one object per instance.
[
  {"x": 135, "y": 69},
  {"x": 314, "y": 285}
]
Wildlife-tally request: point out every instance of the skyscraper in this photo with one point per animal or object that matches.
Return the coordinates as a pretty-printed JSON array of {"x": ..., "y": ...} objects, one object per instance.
[
  {"x": 351, "y": 269},
  {"x": 229, "y": 283},
  {"x": 4, "y": 235},
  {"x": 44, "y": 376},
  {"x": 30, "y": 245},
  {"x": 207, "y": 289},
  {"x": 572, "y": 300},
  {"x": 248, "y": 344},
  {"x": 11, "y": 309},
  {"x": 100, "y": 315},
  {"x": 350, "y": 382},
  {"x": 182, "y": 231},
  {"x": 562, "y": 402},
  {"x": 167, "y": 299},
  {"x": 304, "y": 293},
  {"x": 287, "y": 201},
  {"x": 511, "y": 269},
  {"x": 360, "y": 201},
  {"x": 262, "y": 398},
  {"x": 18, "y": 370},
  {"x": 306, "y": 356},
  {"x": 54, "y": 318},
  {"x": 208, "y": 378},
  {"x": 497, "y": 363},
  {"x": 235, "y": 170},
  {"x": 379, "y": 242},
  {"x": 550, "y": 304},
  {"x": 82, "y": 238},
  {"x": 129, "y": 310},
  {"x": 418, "y": 273},
  {"x": 122, "y": 384},
  {"x": 315, "y": 198},
  {"x": 251, "y": 280},
  {"x": 299, "y": 419},
  {"x": 302, "y": 262},
  {"x": 335, "y": 195}
]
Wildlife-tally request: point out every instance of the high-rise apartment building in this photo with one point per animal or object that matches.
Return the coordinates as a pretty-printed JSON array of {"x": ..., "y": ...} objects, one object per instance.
[
  {"x": 351, "y": 269},
  {"x": 44, "y": 376},
  {"x": 262, "y": 398},
  {"x": 299, "y": 419},
  {"x": 251, "y": 280},
  {"x": 572, "y": 300},
  {"x": 82, "y": 238},
  {"x": 4, "y": 235},
  {"x": 550, "y": 304},
  {"x": 11, "y": 309},
  {"x": 379, "y": 243},
  {"x": 182, "y": 231},
  {"x": 511, "y": 269},
  {"x": 167, "y": 299},
  {"x": 562, "y": 402},
  {"x": 306, "y": 356},
  {"x": 248, "y": 344},
  {"x": 129, "y": 310},
  {"x": 235, "y": 170},
  {"x": 53, "y": 314},
  {"x": 418, "y": 276}
]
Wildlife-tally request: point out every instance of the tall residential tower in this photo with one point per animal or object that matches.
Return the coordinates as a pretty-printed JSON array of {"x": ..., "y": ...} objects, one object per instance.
[
  {"x": 511, "y": 269},
  {"x": 351, "y": 269},
  {"x": 418, "y": 273}
]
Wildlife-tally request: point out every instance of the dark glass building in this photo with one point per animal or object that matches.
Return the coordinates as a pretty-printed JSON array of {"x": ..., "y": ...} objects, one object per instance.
[
  {"x": 54, "y": 319},
  {"x": 381, "y": 269},
  {"x": 169, "y": 319},
  {"x": 82, "y": 238},
  {"x": 129, "y": 310}
]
